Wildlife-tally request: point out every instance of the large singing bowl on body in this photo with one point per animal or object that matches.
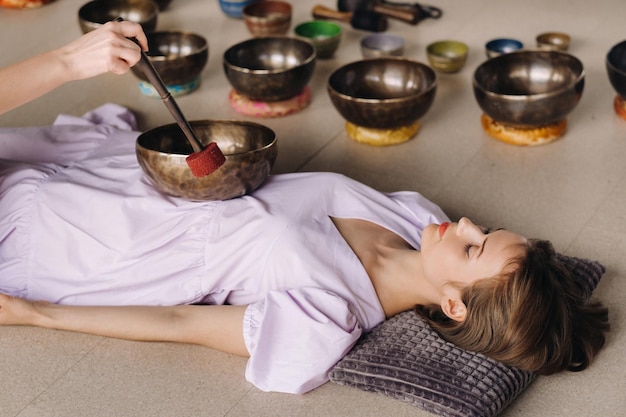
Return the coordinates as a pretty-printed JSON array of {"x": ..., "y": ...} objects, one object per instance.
[
  {"x": 382, "y": 93},
  {"x": 529, "y": 88},
  {"x": 250, "y": 150}
]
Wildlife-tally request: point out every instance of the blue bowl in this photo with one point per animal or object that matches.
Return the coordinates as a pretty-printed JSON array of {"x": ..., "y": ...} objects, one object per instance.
[
  {"x": 497, "y": 47},
  {"x": 234, "y": 8}
]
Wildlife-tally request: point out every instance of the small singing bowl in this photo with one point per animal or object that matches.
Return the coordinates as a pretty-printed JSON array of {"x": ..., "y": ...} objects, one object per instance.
[
  {"x": 553, "y": 41},
  {"x": 178, "y": 57},
  {"x": 500, "y": 46},
  {"x": 23, "y": 4},
  {"x": 324, "y": 35},
  {"x": 616, "y": 68},
  {"x": 234, "y": 8},
  {"x": 267, "y": 18},
  {"x": 381, "y": 44},
  {"x": 447, "y": 56},
  {"x": 269, "y": 69},
  {"x": 96, "y": 13},
  {"x": 529, "y": 88},
  {"x": 382, "y": 93},
  {"x": 250, "y": 150}
]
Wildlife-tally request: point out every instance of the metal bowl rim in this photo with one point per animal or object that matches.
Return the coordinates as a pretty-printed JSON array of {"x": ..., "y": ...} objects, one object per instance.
[
  {"x": 276, "y": 15},
  {"x": 522, "y": 97},
  {"x": 512, "y": 41},
  {"x": 608, "y": 61},
  {"x": 432, "y": 86},
  {"x": 547, "y": 36},
  {"x": 245, "y": 70},
  {"x": 390, "y": 42},
  {"x": 202, "y": 49},
  {"x": 91, "y": 3},
  {"x": 431, "y": 46},
  {"x": 202, "y": 122}
]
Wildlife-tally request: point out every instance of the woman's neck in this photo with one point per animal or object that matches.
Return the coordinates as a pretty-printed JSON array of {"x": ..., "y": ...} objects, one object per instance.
[{"x": 394, "y": 267}]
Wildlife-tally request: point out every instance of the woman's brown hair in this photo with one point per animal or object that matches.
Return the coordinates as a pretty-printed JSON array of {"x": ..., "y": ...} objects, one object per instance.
[{"x": 534, "y": 316}]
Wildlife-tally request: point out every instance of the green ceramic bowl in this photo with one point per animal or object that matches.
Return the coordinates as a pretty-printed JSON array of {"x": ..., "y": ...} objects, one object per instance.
[
  {"x": 324, "y": 35},
  {"x": 447, "y": 56}
]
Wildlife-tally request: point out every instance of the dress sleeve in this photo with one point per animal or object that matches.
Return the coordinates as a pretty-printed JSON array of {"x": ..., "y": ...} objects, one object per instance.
[
  {"x": 70, "y": 139},
  {"x": 295, "y": 337}
]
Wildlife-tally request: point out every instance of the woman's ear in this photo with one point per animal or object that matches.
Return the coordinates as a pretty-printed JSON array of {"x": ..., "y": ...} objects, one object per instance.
[{"x": 454, "y": 308}]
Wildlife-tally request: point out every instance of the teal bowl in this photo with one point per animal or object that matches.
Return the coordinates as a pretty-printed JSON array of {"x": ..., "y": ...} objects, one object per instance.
[{"x": 324, "y": 35}]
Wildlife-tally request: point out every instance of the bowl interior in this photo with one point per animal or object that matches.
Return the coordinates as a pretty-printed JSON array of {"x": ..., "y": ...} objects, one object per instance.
[
  {"x": 167, "y": 46},
  {"x": 529, "y": 73},
  {"x": 555, "y": 40},
  {"x": 382, "y": 79},
  {"x": 504, "y": 45},
  {"x": 317, "y": 29},
  {"x": 267, "y": 10},
  {"x": 382, "y": 42},
  {"x": 233, "y": 137},
  {"x": 267, "y": 55},
  {"x": 102, "y": 11}
]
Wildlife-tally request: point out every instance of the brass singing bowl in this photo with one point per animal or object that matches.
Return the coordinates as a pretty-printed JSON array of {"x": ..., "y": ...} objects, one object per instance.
[
  {"x": 272, "y": 68},
  {"x": 382, "y": 93},
  {"x": 250, "y": 150},
  {"x": 447, "y": 56},
  {"x": 554, "y": 41},
  {"x": 96, "y": 13},
  {"x": 616, "y": 68},
  {"x": 178, "y": 57},
  {"x": 268, "y": 17},
  {"x": 529, "y": 88}
]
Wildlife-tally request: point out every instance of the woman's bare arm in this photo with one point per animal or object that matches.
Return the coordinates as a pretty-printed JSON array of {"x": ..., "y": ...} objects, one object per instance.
[
  {"x": 218, "y": 327},
  {"x": 106, "y": 49}
]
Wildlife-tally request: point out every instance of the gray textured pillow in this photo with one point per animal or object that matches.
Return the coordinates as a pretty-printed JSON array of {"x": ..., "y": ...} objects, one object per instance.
[{"x": 405, "y": 359}]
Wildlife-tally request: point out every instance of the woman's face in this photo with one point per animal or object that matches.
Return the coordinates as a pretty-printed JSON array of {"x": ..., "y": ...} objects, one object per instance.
[{"x": 463, "y": 253}]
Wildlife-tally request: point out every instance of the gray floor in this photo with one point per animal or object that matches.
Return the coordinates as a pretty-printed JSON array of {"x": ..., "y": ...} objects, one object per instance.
[{"x": 571, "y": 191}]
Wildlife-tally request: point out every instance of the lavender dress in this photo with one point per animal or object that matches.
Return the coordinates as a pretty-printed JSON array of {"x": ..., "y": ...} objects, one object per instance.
[{"x": 81, "y": 225}]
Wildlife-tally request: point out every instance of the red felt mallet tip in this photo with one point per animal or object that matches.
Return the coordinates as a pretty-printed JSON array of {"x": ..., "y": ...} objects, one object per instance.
[{"x": 206, "y": 161}]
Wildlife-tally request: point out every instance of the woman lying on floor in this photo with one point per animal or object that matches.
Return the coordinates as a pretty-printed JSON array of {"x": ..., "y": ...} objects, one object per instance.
[{"x": 290, "y": 276}]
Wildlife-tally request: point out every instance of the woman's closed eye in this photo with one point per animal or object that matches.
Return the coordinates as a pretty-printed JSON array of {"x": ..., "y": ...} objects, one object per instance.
[{"x": 485, "y": 231}]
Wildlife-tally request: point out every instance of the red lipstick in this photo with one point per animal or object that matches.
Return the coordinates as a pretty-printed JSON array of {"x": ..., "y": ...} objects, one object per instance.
[{"x": 442, "y": 228}]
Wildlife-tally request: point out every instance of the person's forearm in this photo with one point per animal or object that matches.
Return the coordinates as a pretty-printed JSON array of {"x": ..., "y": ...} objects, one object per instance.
[
  {"x": 218, "y": 327},
  {"x": 107, "y": 49},
  {"x": 29, "y": 79}
]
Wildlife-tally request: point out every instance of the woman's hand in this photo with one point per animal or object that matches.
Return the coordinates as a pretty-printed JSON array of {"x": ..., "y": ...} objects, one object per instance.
[
  {"x": 17, "y": 311},
  {"x": 218, "y": 327},
  {"x": 106, "y": 49}
]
